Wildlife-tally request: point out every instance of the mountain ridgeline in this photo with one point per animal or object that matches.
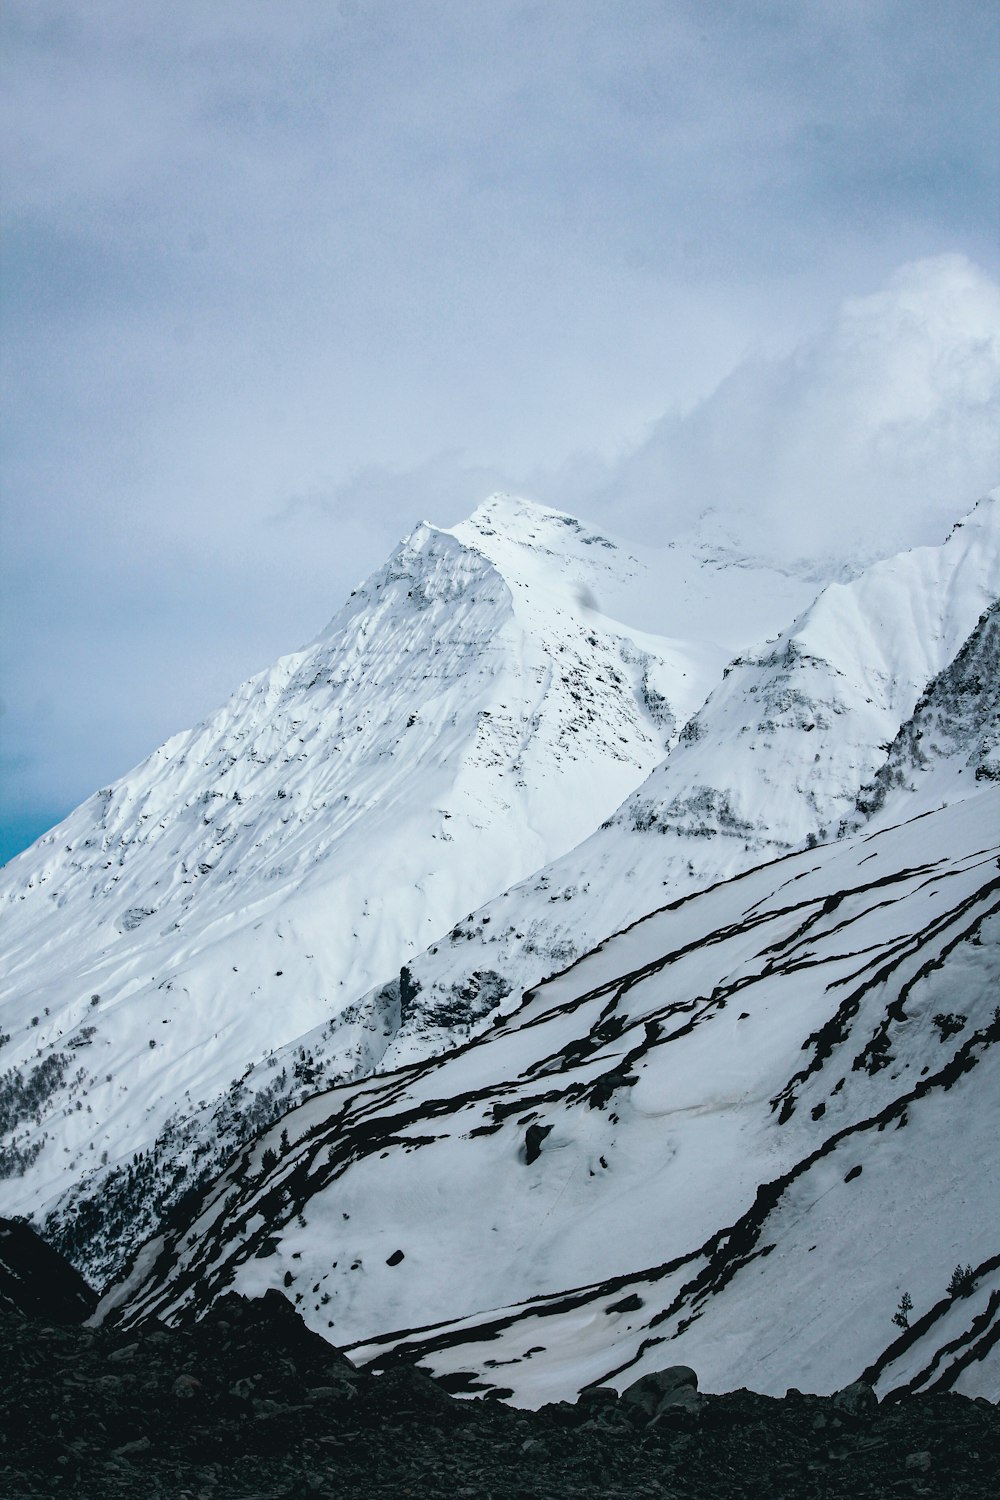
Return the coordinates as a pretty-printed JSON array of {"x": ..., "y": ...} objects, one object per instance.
[{"x": 542, "y": 998}]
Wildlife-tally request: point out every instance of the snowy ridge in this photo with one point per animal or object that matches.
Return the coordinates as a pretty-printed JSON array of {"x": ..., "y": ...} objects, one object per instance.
[
  {"x": 282, "y": 890},
  {"x": 776, "y": 757},
  {"x": 467, "y": 716},
  {"x": 733, "y": 1136},
  {"x": 954, "y": 730}
]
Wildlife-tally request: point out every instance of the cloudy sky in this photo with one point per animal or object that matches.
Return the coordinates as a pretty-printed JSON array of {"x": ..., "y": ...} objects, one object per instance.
[{"x": 281, "y": 279}]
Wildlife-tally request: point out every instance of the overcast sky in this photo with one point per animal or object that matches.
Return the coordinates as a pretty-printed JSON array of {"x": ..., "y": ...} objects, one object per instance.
[{"x": 279, "y": 280}]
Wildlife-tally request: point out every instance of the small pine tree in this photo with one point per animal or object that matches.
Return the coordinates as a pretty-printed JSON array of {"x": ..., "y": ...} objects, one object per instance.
[
  {"x": 963, "y": 1281},
  {"x": 901, "y": 1317}
]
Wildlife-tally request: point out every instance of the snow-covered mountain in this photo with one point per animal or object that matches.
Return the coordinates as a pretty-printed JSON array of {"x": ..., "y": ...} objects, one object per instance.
[
  {"x": 954, "y": 731},
  {"x": 753, "y": 1133},
  {"x": 474, "y": 711},
  {"x": 775, "y": 758}
]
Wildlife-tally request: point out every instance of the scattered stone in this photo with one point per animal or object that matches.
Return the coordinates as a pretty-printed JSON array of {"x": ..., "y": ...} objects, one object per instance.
[
  {"x": 329, "y": 1430},
  {"x": 185, "y": 1386}
]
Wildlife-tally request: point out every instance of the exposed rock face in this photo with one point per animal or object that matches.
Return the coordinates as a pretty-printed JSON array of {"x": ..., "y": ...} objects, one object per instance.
[
  {"x": 249, "y": 1404},
  {"x": 36, "y": 1280}
]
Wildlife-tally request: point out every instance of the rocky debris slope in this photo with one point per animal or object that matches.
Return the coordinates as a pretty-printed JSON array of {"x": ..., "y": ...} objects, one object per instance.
[
  {"x": 248, "y": 1405},
  {"x": 35, "y": 1279}
]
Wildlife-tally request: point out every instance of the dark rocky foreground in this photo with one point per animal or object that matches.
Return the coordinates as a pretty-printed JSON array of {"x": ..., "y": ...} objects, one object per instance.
[{"x": 249, "y": 1403}]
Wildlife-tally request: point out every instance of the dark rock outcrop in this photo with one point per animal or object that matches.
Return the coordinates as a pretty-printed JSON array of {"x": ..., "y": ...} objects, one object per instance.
[{"x": 37, "y": 1280}]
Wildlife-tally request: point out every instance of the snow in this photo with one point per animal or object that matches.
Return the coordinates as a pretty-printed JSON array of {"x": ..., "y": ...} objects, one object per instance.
[
  {"x": 657, "y": 1066},
  {"x": 469, "y": 715},
  {"x": 752, "y": 1101}
]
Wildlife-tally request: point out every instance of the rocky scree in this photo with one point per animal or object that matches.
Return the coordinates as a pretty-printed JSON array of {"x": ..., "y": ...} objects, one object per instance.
[{"x": 248, "y": 1404}]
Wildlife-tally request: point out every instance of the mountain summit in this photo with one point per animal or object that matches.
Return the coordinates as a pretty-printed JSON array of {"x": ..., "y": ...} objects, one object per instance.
[
  {"x": 469, "y": 714},
  {"x": 251, "y": 1020}
]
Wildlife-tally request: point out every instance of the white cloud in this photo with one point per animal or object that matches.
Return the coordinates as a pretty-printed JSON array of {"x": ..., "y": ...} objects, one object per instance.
[{"x": 874, "y": 435}]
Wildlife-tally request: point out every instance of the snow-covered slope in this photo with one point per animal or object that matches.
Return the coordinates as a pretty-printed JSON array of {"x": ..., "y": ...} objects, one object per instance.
[
  {"x": 952, "y": 736},
  {"x": 733, "y": 1136},
  {"x": 776, "y": 757},
  {"x": 471, "y": 713}
]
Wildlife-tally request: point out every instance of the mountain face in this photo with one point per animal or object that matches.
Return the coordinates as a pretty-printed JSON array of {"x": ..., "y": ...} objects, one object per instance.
[
  {"x": 954, "y": 730},
  {"x": 736, "y": 1136},
  {"x": 776, "y": 757},
  {"x": 470, "y": 714},
  {"x": 774, "y": 1078},
  {"x": 751, "y": 1133}
]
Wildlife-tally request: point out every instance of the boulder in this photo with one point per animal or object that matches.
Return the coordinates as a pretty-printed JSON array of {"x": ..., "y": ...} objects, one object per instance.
[
  {"x": 676, "y": 1386},
  {"x": 857, "y": 1400}
]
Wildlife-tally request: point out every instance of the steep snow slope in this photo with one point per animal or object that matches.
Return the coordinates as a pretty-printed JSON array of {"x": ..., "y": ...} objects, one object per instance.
[
  {"x": 776, "y": 757},
  {"x": 468, "y": 715},
  {"x": 732, "y": 1136},
  {"x": 954, "y": 732}
]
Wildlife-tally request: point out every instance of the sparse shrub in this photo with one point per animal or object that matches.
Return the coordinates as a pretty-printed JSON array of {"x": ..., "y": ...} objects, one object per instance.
[
  {"x": 901, "y": 1317},
  {"x": 963, "y": 1282}
]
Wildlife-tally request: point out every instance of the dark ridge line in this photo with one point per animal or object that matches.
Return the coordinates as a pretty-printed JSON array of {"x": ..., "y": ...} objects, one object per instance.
[
  {"x": 834, "y": 901},
  {"x": 745, "y": 1231},
  {"x": 892, "y": 827},
  {"x": 366, "y": 1102},
  {"x": 543, "y": 1305},
  {"x": 938, "y": 874},
  {"x": 966, "y": 1342},
  {"x": 974, "y": 1352},
  {"x": 681, "y": 901},
  {"x": 304, "y": 1171},
  {"x": 291, "y": 1186},
  {"x": 720, "y": 935},
  {"x": 368, "y": 1095},
  {"x": 916, "y": 1331},
  {"x": 895, "y": 1011},
  {"x": 835, "y": 1031},
  {"x": 901, "y": 942}
]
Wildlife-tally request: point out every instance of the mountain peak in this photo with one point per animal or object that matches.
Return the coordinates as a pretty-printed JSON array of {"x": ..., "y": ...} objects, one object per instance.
[
  {"x": 460, "y": 722},
  {"x": 513, "y": 516}
]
